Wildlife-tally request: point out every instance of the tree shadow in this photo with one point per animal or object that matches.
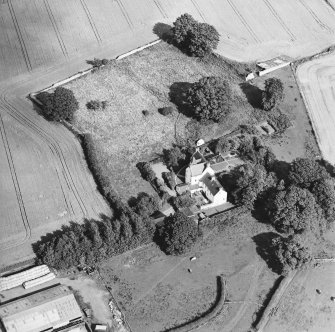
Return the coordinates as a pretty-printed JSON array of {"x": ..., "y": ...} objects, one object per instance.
[
  {"x": 253, "y": 94},
  {"x": 177, "y": 95},
  {"x": 281, "y": 168},
  {"x": 328, "y": 166},
  {"x": 265, "y": 249},
  {"x": 163, "y": 31}
]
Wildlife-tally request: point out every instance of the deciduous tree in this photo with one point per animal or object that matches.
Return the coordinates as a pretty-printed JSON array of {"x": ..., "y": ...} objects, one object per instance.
[
  {"x": 292, "y": 252},
  {"x": 210, "y": 98},
  {"x": 273, "y": 93},
  {"x": 178, "y": 234}
]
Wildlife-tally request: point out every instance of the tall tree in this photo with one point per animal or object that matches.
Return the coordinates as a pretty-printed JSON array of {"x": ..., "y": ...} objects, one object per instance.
[
  {"x": 210, "y": 98},
  {"x": 273, "y": 93},
  {"x": 293, "y": 252},
  {"x": 304, "y": 171},
  {"x": 178, "y": 234},
  {"x": 251, "y": 181},
  {"x": 294, "y": 210}
]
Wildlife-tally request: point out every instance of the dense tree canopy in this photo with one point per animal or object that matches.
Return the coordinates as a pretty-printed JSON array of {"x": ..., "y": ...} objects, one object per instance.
[
  {"x": 292, "y": 252},
  {"x": 210, "y": 98},
  {"x": 89, "y": 243},
  {"x": 294, "y": 210},
  {"x": 195, "y": 38},
  {"x": 273, "y": 93},
  {"x": 145, "y": 204},
  {"x": 324, "y": 194},
  {"x": 178, "y": 234},
  {"x": 304, "y": 171},
  {"x": 174, "y": 157},
  {"x": 253, "y": 150},
  {"x": 59, "y": 105},
  {"x": 251, "y": 181}
]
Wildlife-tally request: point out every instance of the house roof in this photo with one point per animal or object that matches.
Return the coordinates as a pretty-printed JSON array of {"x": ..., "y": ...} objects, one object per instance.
[
  {"x": 211, "y": 183},
  {"x": 220, "y": 167},
  {"x": 197, "y": 169},
  {"x": 40, "y": 311}
]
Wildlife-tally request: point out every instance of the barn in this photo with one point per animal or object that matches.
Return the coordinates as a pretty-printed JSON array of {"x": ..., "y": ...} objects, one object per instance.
[{"x": 51, "y": 309}]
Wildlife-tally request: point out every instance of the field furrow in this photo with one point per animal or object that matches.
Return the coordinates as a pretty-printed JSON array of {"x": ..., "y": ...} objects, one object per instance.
[
  {"x": 73, "y": 25},
  {"x": 12, "y": 60}
]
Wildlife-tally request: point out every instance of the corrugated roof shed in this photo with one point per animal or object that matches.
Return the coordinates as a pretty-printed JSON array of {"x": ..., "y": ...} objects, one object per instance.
[{"x": 50, "y": 308}]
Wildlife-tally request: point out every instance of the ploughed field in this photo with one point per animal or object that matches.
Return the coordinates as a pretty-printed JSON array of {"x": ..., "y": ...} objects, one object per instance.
[
  {"x": 41, "y": 32},
  {"x": 317, "y": 82}
]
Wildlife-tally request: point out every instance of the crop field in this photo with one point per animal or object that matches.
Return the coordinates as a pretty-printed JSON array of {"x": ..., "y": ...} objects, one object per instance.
[
  {"x": 316, "y": 80},
  {"x": 42, "y": 188},
  {"x": 301, "y": 308},
  {"x": 42, "y": 32}
]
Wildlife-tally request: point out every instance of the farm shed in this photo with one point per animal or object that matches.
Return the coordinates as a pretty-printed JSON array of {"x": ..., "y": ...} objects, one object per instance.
[
  {"x": 51, "y": 309},
  {"x": 273, "y": 64},
  {"x": 19, "y": 278}
]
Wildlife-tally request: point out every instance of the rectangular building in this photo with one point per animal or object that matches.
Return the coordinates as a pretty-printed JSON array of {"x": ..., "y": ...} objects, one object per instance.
[{"x": 51, "y": 309}]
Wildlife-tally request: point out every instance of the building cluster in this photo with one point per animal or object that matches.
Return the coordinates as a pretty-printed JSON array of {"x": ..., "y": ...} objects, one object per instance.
[{"x": 201, "y": 179}]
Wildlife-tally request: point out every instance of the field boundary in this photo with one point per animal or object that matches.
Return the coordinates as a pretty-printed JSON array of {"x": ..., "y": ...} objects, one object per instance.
[
  {"x": 272, "y": 305},
  {"x": 32, "y": 95}
]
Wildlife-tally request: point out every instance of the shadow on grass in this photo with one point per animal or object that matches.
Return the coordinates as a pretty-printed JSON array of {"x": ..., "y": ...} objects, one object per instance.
[
  {"x": 265, "y": 249},
  {"x": 253, "y": 94},
  {"x": 177, "y": 95},
  {"x": 163, "y": 31}
]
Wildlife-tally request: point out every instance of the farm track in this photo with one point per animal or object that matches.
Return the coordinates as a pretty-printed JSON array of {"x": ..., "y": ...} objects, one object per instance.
[
  {"x": 160, "y": 8},
  {"x": 315, "y": 17},
  {"x": 125, "y": 14},
  {"x": 202, "y": 15},
  {"x": 231, "y": 324},
  {"x": 19, "y": 35},
  {"x": 280, "y": 20},
  {"x": 54, "y": 24},
  {"x": 244, "y": 22},
  {"x": 91, "y": 20},
  {"x": 17, "y": 190}
]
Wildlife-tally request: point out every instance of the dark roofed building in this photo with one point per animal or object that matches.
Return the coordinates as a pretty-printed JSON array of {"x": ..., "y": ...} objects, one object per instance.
[{"x": 52, "y": 309}]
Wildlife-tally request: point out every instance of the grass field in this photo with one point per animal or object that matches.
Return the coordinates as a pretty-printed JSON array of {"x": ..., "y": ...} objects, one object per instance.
[
  {"x": 298, "y": 140},
  {"x": 145, "y": 81},
  {"x": 302, "y": 308},
  {"x": 156, "y": 292}
]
